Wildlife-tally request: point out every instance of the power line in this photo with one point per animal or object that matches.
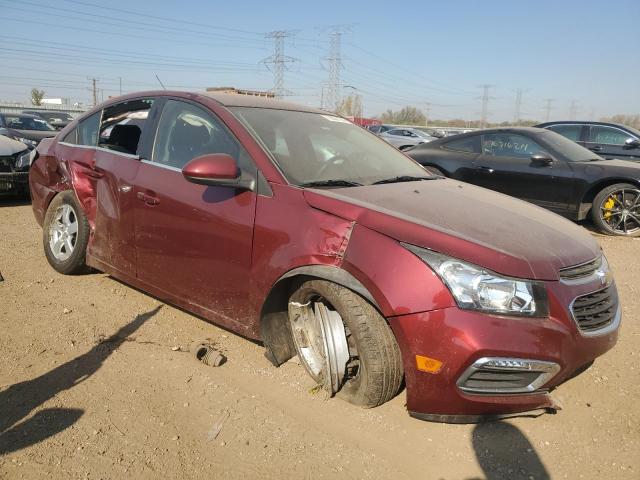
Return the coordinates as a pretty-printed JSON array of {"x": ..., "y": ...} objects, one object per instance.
[{"x": 279, "y": 60}]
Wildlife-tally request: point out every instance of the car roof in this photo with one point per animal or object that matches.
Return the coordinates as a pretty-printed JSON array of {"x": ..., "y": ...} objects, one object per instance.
[
  {"x": 581, "y": 122},
  {"x": 20, "y": 114},
  {"x": 239, "y": 100}
]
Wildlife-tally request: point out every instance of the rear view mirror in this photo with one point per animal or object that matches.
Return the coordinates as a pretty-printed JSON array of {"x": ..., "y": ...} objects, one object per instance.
[
  {"x": 632, "y": 142},
  {"x": 541, "y": 159},
  {"x": 217, "y": 169}
]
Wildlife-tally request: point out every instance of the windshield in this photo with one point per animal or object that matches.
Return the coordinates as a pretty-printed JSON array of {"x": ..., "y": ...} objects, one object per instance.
[
  {"x": 312, "y": 147},
  {"x": 570, "y": 149},
  {"x": 27, "y": 123}
]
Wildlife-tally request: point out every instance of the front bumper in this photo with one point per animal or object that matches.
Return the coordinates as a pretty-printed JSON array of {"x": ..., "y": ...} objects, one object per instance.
[
  {"x": 458, "y": 338},
  {"x": 13, "y": 181}
]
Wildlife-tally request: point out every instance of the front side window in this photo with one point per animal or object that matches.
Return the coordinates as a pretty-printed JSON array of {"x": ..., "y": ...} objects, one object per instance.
[
  {"x": 321, "y": 147},
  {"x": 122, "y": 124},
  {"x": 464, "y": 145},
  {"x": 88, "y": 130},
  {"x": 572, "y": 132},
  {"x": 186, "y": 131},
  {"x": 510, "y": 145},
  {"x": 608, "y": 135}
]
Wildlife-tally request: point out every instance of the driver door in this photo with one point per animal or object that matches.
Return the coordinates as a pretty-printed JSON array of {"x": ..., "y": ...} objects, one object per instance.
[{"x": 193, "y": 241}]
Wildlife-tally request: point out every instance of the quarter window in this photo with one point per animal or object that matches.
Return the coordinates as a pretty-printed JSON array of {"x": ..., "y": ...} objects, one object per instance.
[
  {"x": 510, "y": 145},
  {"x": 71, "y": 137},
  {"x": 186, "y": 131},
  {"x": 608, "y": 135},
  {"x": 88, "y": 130},
  {"x": 122, "y": 124},
  {"x": 572, "y": 132}
]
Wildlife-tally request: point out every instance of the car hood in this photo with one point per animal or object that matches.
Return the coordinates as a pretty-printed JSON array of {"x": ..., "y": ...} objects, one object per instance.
[
  {"x": 36, "y": 135},
  {"x": 9, "y": 146},
  {"x": 489, "y": 229}
]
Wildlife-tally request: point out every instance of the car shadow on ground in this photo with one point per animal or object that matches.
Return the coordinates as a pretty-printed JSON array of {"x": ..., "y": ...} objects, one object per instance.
[
  {"x": 14, "y": 201},
  {"x": 19, "y": 400},
  {"x": 503, "y": 451}
]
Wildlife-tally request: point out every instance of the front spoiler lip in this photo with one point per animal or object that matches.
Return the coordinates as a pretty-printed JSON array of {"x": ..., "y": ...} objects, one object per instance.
[{"x": 466, "y": 419}]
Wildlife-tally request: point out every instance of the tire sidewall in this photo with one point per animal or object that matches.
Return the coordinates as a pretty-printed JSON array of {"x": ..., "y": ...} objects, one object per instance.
[
  {"x": 597, "y": 205},
  {"x": 76, "y": 262}
]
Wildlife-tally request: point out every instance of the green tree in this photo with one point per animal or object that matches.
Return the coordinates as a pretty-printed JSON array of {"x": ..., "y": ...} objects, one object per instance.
[
  {"x": 407, "y": 116},
  {"x": 37, "y": 96}
]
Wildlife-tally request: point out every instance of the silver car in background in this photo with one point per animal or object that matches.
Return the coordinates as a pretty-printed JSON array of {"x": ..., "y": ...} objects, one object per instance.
[{"x": 404, "y": 138}]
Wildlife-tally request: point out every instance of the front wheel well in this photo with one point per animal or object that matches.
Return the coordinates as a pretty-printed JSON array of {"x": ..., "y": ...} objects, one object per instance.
[
  {"x": 590, "y": 195},
  {"x": 274, "y": 325}
]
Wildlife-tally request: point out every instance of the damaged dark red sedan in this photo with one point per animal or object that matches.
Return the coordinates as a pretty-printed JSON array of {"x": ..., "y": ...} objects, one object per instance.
[{"x": 297, "y": 228}]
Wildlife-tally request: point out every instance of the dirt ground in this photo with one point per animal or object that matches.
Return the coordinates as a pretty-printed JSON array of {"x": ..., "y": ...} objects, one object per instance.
[{"x": 95, "y": 382}]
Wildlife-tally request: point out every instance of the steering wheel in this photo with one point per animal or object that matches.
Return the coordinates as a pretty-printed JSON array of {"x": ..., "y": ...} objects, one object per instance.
[{"x": 330, "y": 162}]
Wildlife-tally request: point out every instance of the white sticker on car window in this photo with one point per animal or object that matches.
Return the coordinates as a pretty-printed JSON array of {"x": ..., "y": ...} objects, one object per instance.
[{"x": 333, "y": 118}]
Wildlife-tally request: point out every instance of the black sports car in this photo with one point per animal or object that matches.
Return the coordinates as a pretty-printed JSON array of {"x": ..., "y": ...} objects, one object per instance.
[
  {"x": 544, "y": 168},
  {"x": 609, "y": 140}
]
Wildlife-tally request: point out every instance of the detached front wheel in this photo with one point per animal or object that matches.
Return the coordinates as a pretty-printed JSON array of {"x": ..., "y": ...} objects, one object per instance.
[
  {"x": 616, "y": 210},
  {"x": 65, "y": 234},
  {"x": 344, "y": 343}
]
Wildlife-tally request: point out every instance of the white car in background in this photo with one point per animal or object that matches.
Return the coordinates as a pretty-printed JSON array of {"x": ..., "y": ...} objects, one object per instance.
[{"x": 404, "y": 138}]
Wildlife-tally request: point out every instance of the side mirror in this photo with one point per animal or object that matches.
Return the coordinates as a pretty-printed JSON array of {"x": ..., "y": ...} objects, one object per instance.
[
  {"x": 632, "y": 142},
  {"x": 541, "y": 160},
  {"x": 217, "y": 169}
]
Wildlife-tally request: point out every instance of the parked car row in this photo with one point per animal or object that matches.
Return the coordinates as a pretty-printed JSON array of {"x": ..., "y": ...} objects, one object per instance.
[
  {"x": 15, "y": 160},
  {"x": 295, "y": 227},
  {"x": 544, "y": 168}
]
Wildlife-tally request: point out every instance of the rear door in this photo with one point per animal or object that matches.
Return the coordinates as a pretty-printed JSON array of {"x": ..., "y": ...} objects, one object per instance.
[
  {"x": 505, "y": 166},
  {"x": 194, "y": 242},
  {"x": 573, "y": 131},
  {"x": 609, "y": 142},
  {"x": 116, "y": 165}
]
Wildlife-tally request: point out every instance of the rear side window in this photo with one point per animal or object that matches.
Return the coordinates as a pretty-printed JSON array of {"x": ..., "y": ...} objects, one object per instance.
[
  {"x": 88, "y": 130},
  {"x": 608, "y": 135},
  {"x": 572, "y": 132},
  {"x": 122, "y": 124},
  {"x": 464, "y": 145}
]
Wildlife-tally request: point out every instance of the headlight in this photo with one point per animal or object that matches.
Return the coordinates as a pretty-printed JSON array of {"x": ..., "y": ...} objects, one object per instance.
[
  {"x": 26, "y": 141},
  {"x": 475, "y": 288},
  {"x": 25, "y": 159}
]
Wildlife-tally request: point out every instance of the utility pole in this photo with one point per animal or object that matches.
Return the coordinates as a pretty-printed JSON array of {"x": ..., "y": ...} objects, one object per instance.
[
  {"x": 547, "y": 108},
  {"x": 518, "y": 106},
  {"x": 278, "y": 61},
  {"x": 94, "y": 88},
  {"x": 485, "y": 104},
  {"x": 573, "y": 110},
  {"x": 427, "y": 109}
]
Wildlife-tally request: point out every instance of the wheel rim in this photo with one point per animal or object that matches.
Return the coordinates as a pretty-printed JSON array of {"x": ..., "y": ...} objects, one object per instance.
[
  {"x": 63, "y": 232},
  {"x": 620, "y": 211},
  {"x": 321, "y": 341}
]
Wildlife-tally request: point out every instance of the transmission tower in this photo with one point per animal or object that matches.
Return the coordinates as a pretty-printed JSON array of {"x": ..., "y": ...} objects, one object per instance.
[
  {"x": 573, "y": 109},
  {"x": 334, "y": 60},
  {"x": 277, "y": 62},
  {"x": 518, "y": 106},
  {"x": 485, "y": 104},
  {"x": 547, "y": 108}
]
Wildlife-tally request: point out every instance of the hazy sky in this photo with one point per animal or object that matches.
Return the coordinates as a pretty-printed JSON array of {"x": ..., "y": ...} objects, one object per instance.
[{"x": 394, "y": 53}]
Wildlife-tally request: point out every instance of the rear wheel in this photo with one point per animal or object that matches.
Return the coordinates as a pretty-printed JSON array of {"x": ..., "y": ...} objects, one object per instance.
[
  {"x": 65, "y": 234},
  {"x": 616, "y": 210},
  {"x": 344, "y": 343}
]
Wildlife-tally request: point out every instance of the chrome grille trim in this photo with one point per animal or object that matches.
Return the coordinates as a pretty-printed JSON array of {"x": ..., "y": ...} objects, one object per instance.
[
  {"x": 598, "y": 312},
  {"x": 580, "y": 272}
]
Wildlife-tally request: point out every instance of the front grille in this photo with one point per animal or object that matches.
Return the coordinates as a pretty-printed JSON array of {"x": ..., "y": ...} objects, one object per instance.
[
  {"x": 596, "y": 310},
  {"x": 581, "y": 271},
  {"x": 6, "y": 163}
]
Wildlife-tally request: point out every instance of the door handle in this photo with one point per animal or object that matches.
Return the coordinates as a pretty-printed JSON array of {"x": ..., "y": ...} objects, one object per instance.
[
  {"x": 148, "y": 199},
  {"x": 597, "y": 148},
  {"x": 486, "y": 169}
]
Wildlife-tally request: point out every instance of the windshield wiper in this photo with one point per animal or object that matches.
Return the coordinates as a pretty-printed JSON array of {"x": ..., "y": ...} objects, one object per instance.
[
  {"x": 331, "y": 183},
  {"x": 404, "y": 178}
]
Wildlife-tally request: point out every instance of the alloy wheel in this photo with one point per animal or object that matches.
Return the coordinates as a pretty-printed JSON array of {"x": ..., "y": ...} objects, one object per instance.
[{"x": 63, "y": 232}]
